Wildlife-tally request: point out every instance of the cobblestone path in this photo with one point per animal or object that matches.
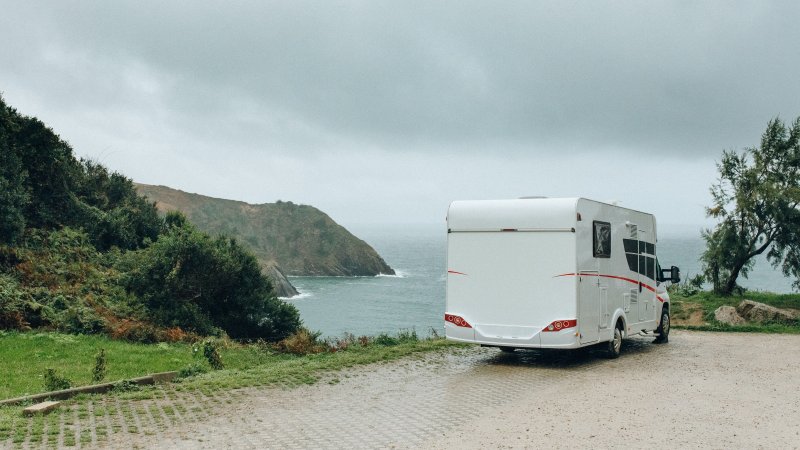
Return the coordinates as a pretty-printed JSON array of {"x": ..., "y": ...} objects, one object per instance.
[{"x": 709, "y": 390}]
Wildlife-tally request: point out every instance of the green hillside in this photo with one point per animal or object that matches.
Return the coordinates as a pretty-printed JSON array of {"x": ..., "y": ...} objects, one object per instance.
[
  {"x": 301, "y": 239},
  {"x": 82, "y": 252}
]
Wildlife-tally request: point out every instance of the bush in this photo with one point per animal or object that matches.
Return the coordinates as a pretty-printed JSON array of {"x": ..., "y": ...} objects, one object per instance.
[
  {"x": 54, "y": 382},
  {"x": 340, "y": 344},
  {"x": 405, "y": 336},
  {"x": 99, "y": 371},
  {"x": 385, "y": 339},
  {"x": 192, "y": 369},
  {"x": 201, "y": 284},
  {"x": 12, "y": 301},
  {"x": 302, "y": 342},
  {"x": 211, "y": 352}
]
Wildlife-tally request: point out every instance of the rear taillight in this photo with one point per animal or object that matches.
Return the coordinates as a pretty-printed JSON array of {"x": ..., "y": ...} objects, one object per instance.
[
  {"x": 559, "y": 325},
  {"x": 457, "y": 320}
]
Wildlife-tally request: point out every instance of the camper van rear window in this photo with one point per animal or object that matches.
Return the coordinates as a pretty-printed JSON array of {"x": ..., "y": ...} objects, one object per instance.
[{"x": 601, "y": 239}]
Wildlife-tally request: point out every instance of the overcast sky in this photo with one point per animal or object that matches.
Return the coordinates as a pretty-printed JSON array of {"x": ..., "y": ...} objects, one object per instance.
[{"x": 384, "y": 112}]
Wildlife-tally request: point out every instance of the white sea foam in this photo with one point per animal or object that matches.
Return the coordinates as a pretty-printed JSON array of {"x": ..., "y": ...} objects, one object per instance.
[
  {"x": 299, "y": 296},
  {"x": 397, "y": 274}
]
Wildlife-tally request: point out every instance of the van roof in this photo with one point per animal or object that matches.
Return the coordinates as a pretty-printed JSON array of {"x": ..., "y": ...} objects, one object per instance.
[
  {"x": 540, "y": 213},
  {"x": 521, "y": 214}
]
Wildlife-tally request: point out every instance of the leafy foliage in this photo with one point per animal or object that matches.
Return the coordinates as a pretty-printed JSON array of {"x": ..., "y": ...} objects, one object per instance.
[
  {"x": 81, "y": 251},
  {"x": 211, "y": 352},
  {"x": 756, "y": 202},
  {"x": 60, "y": 281},
  {"x": 55, "y": 382},
  {"x": 44, "y": 186},
  {"x": 99, "y": 370},
  {"x": 190, "y": 280}
]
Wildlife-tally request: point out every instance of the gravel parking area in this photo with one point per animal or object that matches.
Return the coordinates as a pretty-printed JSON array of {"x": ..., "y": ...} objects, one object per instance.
[
  {"x": 702, "y": 390},
  {"x": 709, "y": 390}
]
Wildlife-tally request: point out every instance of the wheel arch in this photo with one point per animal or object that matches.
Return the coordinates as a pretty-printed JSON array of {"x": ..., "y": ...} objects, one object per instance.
[{"x": 619, "y": 315}]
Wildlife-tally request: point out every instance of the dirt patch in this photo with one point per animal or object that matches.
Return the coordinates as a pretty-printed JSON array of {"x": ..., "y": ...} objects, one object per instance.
[{"x": 690, "y": 314}]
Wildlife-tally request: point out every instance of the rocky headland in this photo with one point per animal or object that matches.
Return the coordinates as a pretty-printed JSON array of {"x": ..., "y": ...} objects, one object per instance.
[{"x": 288, "y": 239}]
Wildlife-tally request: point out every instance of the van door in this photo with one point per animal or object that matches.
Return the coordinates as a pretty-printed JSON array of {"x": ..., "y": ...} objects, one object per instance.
[
  {"x": 647, "y": 262},
  {"x": 590, "y": 286},
  {"x": 631, "y": 244},
  {"x": 589, "y": 305}
]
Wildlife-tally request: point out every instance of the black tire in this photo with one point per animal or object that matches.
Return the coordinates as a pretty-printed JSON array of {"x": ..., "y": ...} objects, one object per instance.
[
  {"x": 507, "y": 349},
  {"x": 614, "y": 346},
  {"x": 663, "y": 327}
]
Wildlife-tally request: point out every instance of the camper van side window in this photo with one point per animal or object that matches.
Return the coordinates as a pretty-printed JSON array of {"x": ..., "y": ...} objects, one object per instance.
[{"x": 601, "y": 239}]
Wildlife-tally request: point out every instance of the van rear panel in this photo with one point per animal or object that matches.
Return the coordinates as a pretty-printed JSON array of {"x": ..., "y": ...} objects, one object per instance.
[{"x": 506, "y": 286}]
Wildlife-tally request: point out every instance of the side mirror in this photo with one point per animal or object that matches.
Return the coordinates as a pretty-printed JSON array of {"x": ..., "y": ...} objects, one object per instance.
[{"x": 674, "y": 275}]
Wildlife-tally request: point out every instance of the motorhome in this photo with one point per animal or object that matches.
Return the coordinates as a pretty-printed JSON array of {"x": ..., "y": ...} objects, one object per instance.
[{"x": 558, "y": 273}]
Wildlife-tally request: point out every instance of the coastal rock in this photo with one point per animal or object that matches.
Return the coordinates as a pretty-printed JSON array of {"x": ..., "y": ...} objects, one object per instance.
[
  {"x": 280, "y": 284},
  {"x": 759, "y": 312},
  {"x": 303, "y": 240},
  {"x": 728, "y": 314}
]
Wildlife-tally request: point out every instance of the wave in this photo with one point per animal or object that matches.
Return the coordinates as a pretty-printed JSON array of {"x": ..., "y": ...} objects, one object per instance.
[
  {"x": 299, "y": 296},
  {"x": 397, "y": 274}
]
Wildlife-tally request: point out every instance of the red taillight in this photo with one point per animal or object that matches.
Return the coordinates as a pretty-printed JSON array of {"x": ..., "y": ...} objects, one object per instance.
[
  {"x": 559, "y": 325},
  {"x": 457, "y": 320}
]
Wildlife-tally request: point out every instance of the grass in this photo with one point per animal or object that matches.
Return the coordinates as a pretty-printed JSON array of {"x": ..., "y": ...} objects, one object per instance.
[
  {"x": 707, "y": 302},
  {"x": 26, "y": 357},
  {"x": 295, "y": 370}
]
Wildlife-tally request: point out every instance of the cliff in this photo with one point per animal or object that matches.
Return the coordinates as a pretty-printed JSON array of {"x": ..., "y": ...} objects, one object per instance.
[{"x": 300, "y": 239}]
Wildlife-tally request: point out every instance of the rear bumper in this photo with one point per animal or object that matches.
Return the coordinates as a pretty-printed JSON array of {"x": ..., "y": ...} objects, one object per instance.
[{"x": 535, "y": 338}]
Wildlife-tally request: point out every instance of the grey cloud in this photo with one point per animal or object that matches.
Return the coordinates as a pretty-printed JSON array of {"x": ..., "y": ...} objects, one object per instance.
[{"x": 684, "y": 77}]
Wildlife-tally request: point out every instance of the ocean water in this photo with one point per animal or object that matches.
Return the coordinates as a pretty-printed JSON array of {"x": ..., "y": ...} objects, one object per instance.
[{"x": 414, "y": 298}]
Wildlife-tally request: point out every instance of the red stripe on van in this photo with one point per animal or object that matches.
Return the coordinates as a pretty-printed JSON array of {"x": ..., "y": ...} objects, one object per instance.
[
  {"x": 455, "y": 273},
  {"x": 629, "y": 280}
]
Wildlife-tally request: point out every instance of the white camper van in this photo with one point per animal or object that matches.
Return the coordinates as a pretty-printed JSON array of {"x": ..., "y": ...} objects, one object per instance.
[{"x": 553, "y": 273}]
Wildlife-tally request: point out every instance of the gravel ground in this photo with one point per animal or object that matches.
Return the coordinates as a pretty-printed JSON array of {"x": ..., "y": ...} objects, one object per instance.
[{"x": 702, "y": 390}]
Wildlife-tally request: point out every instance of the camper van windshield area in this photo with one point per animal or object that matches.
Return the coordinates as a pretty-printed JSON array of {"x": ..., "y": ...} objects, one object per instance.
[{"x": 601, "y": 239}]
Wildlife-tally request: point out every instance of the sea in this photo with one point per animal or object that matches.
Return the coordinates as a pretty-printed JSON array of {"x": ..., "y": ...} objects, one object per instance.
[{"x": 413, "y": 298}]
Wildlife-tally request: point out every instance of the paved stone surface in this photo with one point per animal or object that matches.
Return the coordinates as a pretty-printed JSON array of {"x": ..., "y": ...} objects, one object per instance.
[{"x": 702, "y": 390}]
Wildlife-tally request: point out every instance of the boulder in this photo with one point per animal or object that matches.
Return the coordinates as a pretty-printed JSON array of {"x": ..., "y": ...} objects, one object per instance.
[
  {"x": 728, "y": 314},
  {"x": 759, "y": 312},
  {"x": 281, "y": 285}
]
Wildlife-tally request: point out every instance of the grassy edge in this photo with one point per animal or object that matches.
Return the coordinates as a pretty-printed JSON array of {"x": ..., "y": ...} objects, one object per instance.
[
  {"x": 709, "y": 302},
  {"x": 18, "y": 431}
]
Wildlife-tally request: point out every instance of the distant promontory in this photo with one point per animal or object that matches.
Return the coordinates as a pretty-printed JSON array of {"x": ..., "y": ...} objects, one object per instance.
[{"x": 299, "y": 239}]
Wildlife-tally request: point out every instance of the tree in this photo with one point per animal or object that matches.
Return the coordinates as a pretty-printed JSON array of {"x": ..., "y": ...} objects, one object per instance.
[
  {"x": 756, "y": 202},
  {"x": 14, "y": 195},
  {"x": 43, "y": 185},
  {"x": 199, "y": 283}
]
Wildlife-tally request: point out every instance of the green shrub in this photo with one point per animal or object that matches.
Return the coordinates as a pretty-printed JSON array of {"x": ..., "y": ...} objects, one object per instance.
[
  {"x": 54, "y": 382},
  {"x": 99, "y": 370},
  {"x": 211, "y": 352},
  {"x": 192, "y": 369},
  {"x": 302, "y": 342},
  {"x": 385, "y": 339},
  {"x": 187, "y": 279},
  {"x": 407, "y": 336}
]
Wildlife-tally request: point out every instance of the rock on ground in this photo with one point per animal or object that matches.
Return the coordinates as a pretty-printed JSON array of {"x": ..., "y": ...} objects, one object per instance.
[
  {"x": 759, "y": 312},
  {"x": 729, "y": 315}
]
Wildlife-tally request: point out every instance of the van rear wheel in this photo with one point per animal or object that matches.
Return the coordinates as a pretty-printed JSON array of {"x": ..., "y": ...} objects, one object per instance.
[
  {"x": 663, "y": 327},
  {"x": 615, "y": 344}
]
